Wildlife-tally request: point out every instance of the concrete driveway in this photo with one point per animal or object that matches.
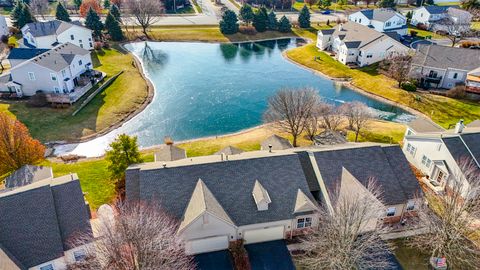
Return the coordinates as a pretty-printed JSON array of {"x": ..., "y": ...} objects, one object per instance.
[{"x": 270, "y": 255}]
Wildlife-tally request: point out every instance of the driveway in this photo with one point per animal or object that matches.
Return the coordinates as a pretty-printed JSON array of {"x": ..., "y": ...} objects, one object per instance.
[
  {"x": 218, "y": 260},
  {"x": 270, "y": 255}
]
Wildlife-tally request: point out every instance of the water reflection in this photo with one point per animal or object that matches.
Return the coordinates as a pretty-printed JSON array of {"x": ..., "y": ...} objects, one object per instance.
[
  {"x": 153, "y": 58},
  {"x": 229, "y": 51}
]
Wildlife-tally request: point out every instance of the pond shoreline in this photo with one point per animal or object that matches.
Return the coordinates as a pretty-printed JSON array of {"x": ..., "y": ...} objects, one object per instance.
[{"x": 151, "y": 95}]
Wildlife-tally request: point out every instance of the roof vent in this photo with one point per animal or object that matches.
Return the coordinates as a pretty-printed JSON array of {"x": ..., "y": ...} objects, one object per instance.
[
  {"x": 261, "y": 197},
  {"x": 459, "y": 127},
  {"x": 270, "y": 148}
]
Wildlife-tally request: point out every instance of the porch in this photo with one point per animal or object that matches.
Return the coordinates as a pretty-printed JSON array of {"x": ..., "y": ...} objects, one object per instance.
[{"x": 82, "y": 85}]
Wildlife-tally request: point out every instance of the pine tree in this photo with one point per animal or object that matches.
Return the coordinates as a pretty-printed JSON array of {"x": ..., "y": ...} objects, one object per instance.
[
  {"x": 304, "y": 17},
  {"x": 25, "y": 17},
  {"x": 272, "y": 21},
  {"x": 260, "y": 20},
  {"x": 106, "y": 4},
  {"x": 93, "y": 22},
  {"x": 284, "y": 25},
  {"x": 17, "y": 12},
  {"x": 115, "y": 12},
  {"x": 229, "y": 23},
  {"x": 387, "y": 3},
  {"x": 77, "y": 3},
  {"x": 113, "y": 28},
  {"x": 246, "y": 14},
  {"x": 62, "y": 14}
]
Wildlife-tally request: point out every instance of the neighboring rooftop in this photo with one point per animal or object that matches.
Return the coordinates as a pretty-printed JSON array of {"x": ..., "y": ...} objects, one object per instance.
[
  {"x": 24, "y": 53},
  {"x": 424, "y": 125},
  {"x": 379, "y": 14},
  {"x": 229, "y": 150},
  {"x": 277, "y": 143},
  {"x": 436, "y": 9},
  {"x": 444, "y": 57},
  {"x": 47, "y": 28},
  {"x": 474, "y": 124},
  {"x": 170, "y": 152},
  {"x": 28, "y": 174}
]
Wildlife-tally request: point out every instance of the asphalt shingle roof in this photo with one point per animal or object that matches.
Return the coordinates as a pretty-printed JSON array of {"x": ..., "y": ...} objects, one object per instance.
[
  {"x": 53, "y": 27},
  {"x": 446, "y": 57},
  {"x": 59, "y": 57},
  {"x": 25, "y": 53},
  {"x": 229, "y": 150},
  {"x": 457, "y": 146},
  {"x": 28, "y": 174},
  {"x": 169, "y": 153},
  {"x": 38, "y": 221},
  {"x": 423, "y": 125},
  {"x": 379, "y": 14},
  {"x": 436, "y": 9},
  {"x": 231, "y": 182},
  {"x": 277, "y": 143}
]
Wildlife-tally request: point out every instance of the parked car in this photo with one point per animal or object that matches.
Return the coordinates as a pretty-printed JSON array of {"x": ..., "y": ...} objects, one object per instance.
[{"x": 326, "y": 12}]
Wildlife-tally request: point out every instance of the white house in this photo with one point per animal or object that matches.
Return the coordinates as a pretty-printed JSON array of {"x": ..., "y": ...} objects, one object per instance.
[
  {"x": 381, "y": 19},
  {"x": 62, "y": 70},
  {"x": 438, "y": 153},
  {"x": 440, "y": 18},
  {"x": 3, "y": 26},
  {"x": 268, "y": 195},
  {"x": 353, "y": 43},
  {"x": 46, "y": 35},
  {"x": 39, "y": 215}
]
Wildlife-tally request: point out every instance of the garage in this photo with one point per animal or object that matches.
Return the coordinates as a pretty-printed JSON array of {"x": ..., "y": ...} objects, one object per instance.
[
  {"x": 263, "y": 235},
  {"x": 206, "y": 244}
]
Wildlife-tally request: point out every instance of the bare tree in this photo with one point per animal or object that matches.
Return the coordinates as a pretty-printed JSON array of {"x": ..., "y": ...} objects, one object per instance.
[
  {"x": 397, "y": 66},
  {"x": 454, "y": 30},
  {"x": 348, "y": 236},
  {"x": 358, "y": 116},
  {"x": 146, "y": 12},
  {"x": 39, "y": 7},
  {"x": 290, "y": 109},
  {"x": 138, "y": 237},
  {"x": 331, "y": 116},
  {"x": 449, "y": 219}
]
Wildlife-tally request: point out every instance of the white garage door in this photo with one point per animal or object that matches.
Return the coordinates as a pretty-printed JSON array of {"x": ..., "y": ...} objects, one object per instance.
[
  {"x": 263, "y": 235},
  {"x": 207, "y": 244}
]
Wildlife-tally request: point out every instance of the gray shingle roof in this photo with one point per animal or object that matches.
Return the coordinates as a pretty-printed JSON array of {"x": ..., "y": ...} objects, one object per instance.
[
  {"x": 37, "y": 221},
  {"x": 229, "y": 150},
  {"x": 170, "y": 153},
  {"x": 379, "y": 14},
  {"x": 458, "y": 147},
  {"x": 28, "y": 174},
  {"x": 436, "y": 9},
  {"x": 277, "y": 143},
  {"x": 424, "y": 125},
  {"x": 387, "y": 165},
  {"x": 475, "y": 123},
  {"x": 53, "y": 27},
  {"x": 24, "y": 53},
  {"x": 231, "y": 182},
  {"x": 446, "y": 57},
  {"x": 59, "y": 57}
]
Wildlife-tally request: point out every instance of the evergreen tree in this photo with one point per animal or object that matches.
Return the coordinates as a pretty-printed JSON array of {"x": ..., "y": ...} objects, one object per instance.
[
  {"x": 387, "y": 3},
  {"x": 113, "y": 28},
  {"x": 93, "y": 22},
  {"x": 229, "y": 23},
  {"x": 115, "y": 12},
  {"x": 16, "y": 12},
  {"x": 272, "y": 21},
  {"x": 430, "y": 2},
  {"x": 304, "y": 17},
  {"x": 62, "y": 14},
  {"x": 25, "y": 17},
  {"x": 106, "y": 4},
  {"x": 284, "y": 25},
  {"x": 77, "y": 3},
  {"x": 246, "y": 14},
  {"x": 260, "y": 20}
]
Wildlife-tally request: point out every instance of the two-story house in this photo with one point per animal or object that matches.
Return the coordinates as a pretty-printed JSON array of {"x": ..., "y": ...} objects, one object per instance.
[
  {"x": 356, "y": 44},
  {"x": 381, "y": 19},
  {"x": 4, "y": 31},
  {"x": 62, "y": 70},
  {"x": 443, "y": 67},
  {"x": 268, "y": 195},
  {"x": 46, "y": 35},
  {"x": 39, "y": 218},
  {"x": 440, "y": 18}
]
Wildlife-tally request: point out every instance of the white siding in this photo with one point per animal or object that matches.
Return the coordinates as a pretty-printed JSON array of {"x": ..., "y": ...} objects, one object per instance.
[{"x": 82, "y": 37}]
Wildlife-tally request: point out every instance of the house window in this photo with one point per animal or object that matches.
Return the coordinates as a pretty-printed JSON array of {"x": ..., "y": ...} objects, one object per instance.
[
  {"x": 53, "y": 76},
  {"x": 426, "y": 161},
  {"x": 79, "y": 255},
  {"x": 411, "y": 149},
  {"x": 31, "y": 76},
  {"x": 56, "y": 89},
  {"x": 81, "y": 46},
  {"x": 455, "y": 75},
  {"x": 304, "y": 222},
  {"x": 89, "y": 39},
  {"x": 360, "y": 20},
  {"x": 387, "y": 24},
  {"x": 440, "y": 176},
  {"x": 391, "y": 211},
  {"x": 433, "y": 74},
  {"x": 369, "y": 55},
  {"x": 47, "y": 267},
  {"x": 79, "y": 62},
  {"x": 80, "y": 40},
  {"x": 72, "y": 37},
  {"x": 410, "y": 205},
  {"x": 91, "y": 44},
  {"x": 64, "y": 73}
]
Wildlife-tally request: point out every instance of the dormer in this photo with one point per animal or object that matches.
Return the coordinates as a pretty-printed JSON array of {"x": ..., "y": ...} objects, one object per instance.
[
  {"x": 261, "y": 197},
  {"x": 303, "y": 203}
]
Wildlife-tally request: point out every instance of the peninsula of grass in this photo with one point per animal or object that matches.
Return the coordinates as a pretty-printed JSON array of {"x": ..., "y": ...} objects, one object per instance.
[{"x": 124, "y": 96}]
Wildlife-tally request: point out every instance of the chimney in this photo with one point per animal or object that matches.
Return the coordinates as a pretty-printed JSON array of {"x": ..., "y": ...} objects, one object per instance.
[
  {"x": 168, "y": 140},
  {"x": 270, "y": 148},
  {"x": 459, "y": 127}
]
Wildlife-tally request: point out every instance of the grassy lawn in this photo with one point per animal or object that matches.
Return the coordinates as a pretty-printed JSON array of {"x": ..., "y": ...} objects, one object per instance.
[
  {"x": 443, "y": 110},
  {"x": 476, "y": 25},
  {"x": 453, "y": 3},
  {"x": 410, "y": 258},
  {"x": 125, "y": 95},
  {"x": 424, "y": 33}
]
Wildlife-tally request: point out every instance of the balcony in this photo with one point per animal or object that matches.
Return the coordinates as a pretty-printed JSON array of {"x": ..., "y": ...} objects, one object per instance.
[
  {"x": 83, "y": 84},
  {"x": 431, "y": 79}
]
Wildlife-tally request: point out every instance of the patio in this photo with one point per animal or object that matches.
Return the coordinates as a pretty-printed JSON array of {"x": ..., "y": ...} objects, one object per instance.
[{"x": 85, "y": 82}]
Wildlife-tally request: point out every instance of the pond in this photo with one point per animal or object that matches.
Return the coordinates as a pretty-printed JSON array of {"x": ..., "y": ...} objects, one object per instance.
[{"x": 209, "y": 89}]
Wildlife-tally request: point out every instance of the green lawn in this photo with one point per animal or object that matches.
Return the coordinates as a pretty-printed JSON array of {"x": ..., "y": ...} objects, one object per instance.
[
  {"x": 425, "y": 33},
  {"x": 453, "y": 3},
  {"x": 410, "y": 258},
  {"x": 443, "y": 110},
  {"x": 476, "y": 25},
  {"x": 125, "y": 95}
]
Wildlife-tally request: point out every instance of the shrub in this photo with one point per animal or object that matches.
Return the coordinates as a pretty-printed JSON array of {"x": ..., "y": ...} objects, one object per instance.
[
  {"x": 413, "y": 33},
  {"x": 247, "y": 30},
  {"x": 422, "y": 26},
  {"x": 408, "y": 86},
  {"x": 457, "y": 92},
  {"x": 240, "y": 255},
  {"x": 469, "y": 43},
  {"x": 38, "y": 100},
  {"x": 98, "y": 45}
]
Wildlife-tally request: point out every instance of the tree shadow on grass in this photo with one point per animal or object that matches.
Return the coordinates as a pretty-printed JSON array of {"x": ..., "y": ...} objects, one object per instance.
[{"x": 372, "y": 70}]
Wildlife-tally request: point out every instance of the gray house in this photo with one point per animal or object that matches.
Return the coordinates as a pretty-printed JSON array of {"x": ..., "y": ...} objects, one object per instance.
[
  {"x": 443, "y": 67},
  {"x": 39, "y": 219}
]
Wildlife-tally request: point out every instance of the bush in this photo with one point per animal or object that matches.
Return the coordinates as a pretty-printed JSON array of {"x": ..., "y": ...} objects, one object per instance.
[
  {"x": 240, "y": 255},
  {"x": 247, "y": 30},
  {"x": 422, "y": 26},
  {"x": 98, "y": 45},
  {"x": 457, "y": 92},
  {"x": 469, "y": 43},
  {"x": 413, "y": 33},
  {"x": 408, "y": 86},
  {"x": 38, "y": 100}
]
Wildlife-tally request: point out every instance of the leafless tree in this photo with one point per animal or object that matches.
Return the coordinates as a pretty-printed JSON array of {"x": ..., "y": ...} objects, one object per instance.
[
  {"x": 348, "y": 236},
  {"x": 138, "y": 237},
  {"x": 453, "y": 30},
  {"x": 39, "y": 7},
  {"x": 397, "y": 66},
  {"x": 146, "y": 12},
  {"x": 449, "y": 219},
  {"x": 358, "y": 116},
  {"x": 289, "y": 110},
  {"x": 331, "y": 116}
]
